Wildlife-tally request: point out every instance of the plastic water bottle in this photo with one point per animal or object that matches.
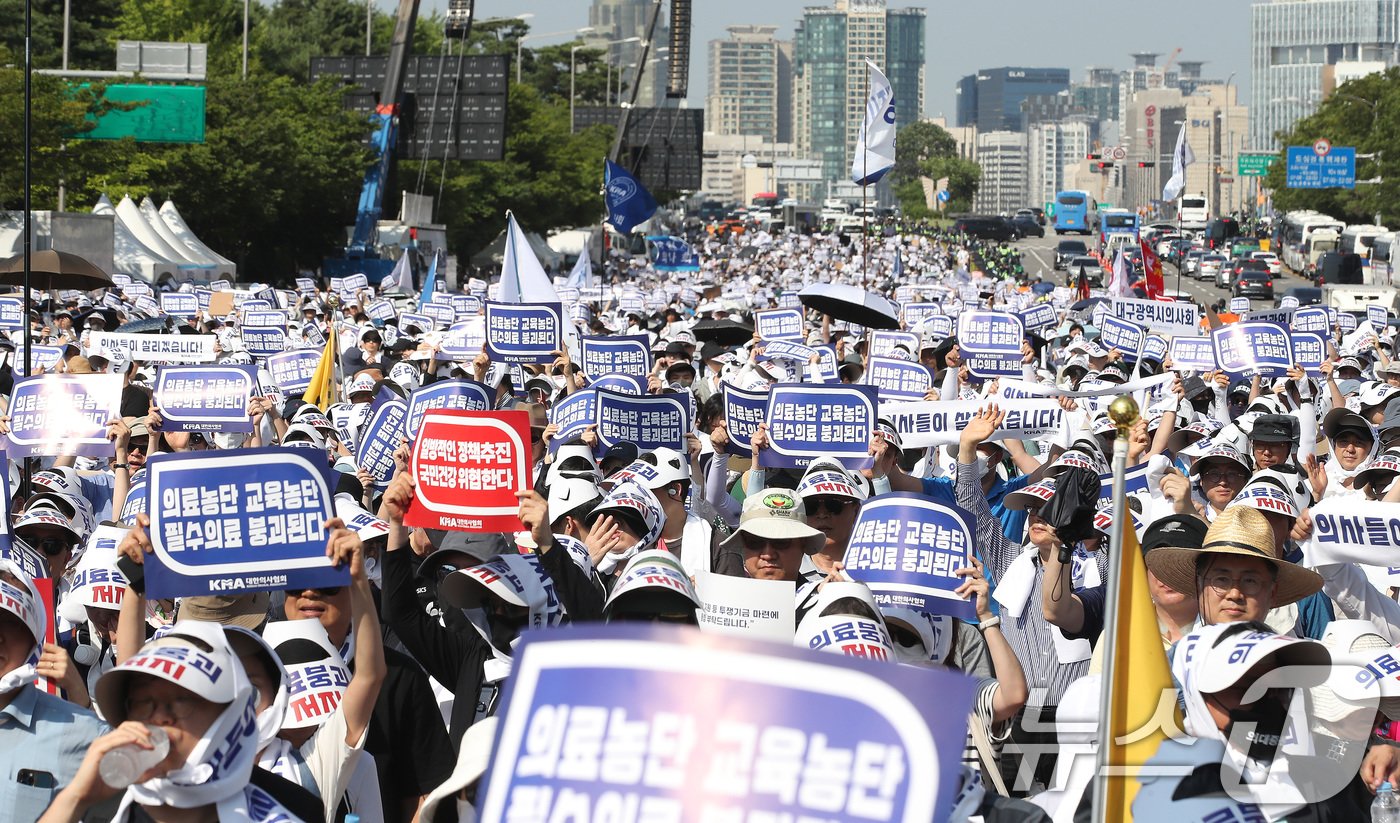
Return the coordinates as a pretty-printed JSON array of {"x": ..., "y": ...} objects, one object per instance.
[
  {"x": 1386, "y": 807},
  {"x": 121, "y": 766}
]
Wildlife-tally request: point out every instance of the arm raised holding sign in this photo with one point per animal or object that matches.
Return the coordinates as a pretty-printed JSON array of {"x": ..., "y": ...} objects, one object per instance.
[
  {"x": 1012, "y": 691},
  {"x": 580, "y": 598},
  {"x": 343, "y": 547}
]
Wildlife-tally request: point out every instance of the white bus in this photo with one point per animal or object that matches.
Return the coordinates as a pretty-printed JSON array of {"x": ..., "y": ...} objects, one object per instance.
[
  {"x": 1358, "y": 240},
  {"x": 1298, "y": 246},
  {"x": 1193, "y": 212},
  {"x": 1382, "y": 257}
]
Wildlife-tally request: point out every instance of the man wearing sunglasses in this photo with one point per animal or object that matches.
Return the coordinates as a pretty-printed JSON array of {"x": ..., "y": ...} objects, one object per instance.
[{"x": 832, "y": 500}]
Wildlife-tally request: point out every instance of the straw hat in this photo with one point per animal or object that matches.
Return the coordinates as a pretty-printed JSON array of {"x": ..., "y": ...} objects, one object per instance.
[{"x": 1239, "y": 530}]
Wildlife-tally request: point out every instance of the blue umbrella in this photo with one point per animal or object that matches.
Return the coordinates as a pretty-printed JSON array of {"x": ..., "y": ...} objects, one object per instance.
[{"x": 1043, "y": 287}]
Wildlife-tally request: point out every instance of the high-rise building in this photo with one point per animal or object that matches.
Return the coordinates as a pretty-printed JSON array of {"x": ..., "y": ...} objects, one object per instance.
[
  {"x": 831, "y": 80},
  {"x": 618, "y": 20},
  {"x": 1002, "y": 156},
  {"x": 991, "y": 99},
  {"x": 749, "y": 71},
  {"x": 1304, "y": 48},
  {"x": 1054, "y": 151}
]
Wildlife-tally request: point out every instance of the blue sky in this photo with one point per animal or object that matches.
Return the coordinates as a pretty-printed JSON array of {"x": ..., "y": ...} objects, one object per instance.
[{"x": 965, "y": 35}]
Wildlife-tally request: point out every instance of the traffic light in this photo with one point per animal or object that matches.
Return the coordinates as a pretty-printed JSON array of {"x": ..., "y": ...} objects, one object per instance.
[
  {"x": 1146, "y": 165},
  {"x": 1092, "y": 156}
]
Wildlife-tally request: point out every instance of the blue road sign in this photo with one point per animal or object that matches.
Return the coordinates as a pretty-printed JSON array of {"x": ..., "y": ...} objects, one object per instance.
[{"x": 1334, "y": 169}]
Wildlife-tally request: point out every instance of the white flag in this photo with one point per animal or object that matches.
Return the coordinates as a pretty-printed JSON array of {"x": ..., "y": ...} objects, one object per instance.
[
  {"x": 401, "y": 278},
  {"x": 875, "y": 150},
  {"x": 1118, "y": 283},
  {"x": 1181, "y": 158},
  {"x": 524, "y": 280}
]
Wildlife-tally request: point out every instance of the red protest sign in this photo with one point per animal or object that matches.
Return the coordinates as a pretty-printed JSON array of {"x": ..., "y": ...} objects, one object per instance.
[{"x": 468, "y": 466}]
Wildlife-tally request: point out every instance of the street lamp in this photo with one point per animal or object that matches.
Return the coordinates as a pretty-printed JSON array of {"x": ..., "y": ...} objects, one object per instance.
[
  {"x": 574, "y": 50},
  {"x": 520, "y": 44}
]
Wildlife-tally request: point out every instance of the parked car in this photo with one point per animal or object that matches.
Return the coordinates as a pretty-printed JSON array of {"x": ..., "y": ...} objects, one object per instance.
[
  {"x": 1255, "y": 283},
  {"x": 1068, "y": 249},
  {"x": 1093, "y": 272},
  {"x": 1306, "y": 295},
  {"x": 1211, "y": 267},
  {"x": 1270, "y": 259},
  {"x": 986, "y": 228},
  {"x": 1191, "y": 266},
  {"x": 1027, "y": 226}
]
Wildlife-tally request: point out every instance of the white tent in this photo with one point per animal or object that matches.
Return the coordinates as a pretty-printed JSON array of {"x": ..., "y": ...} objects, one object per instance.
[
  {"x": 130, "y": 255},
  {"x": 153, "y": 219},
  {"x": 170, "y": 216},
  {"x": 130, "y": 215}
]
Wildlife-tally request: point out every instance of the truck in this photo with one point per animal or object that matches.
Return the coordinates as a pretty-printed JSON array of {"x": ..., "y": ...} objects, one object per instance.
[{"x": 1352, "y": 298}]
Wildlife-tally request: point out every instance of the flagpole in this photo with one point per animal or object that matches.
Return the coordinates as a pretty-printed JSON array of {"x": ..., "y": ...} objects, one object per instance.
[{"x": 1123, "y": 411}]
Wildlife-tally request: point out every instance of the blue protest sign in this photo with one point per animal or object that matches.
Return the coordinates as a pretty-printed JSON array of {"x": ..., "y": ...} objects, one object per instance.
[
  {"x": 464, "y": 339},
  {"x": 789, "y": 300},
  {"x": 807, "y": 421},
  {"x": 375, "y": 450},
  {"x": 883, "y": 342},
  {"x": 780, "y": 324},
  {"x": 1312, "y": 319},
  {"x": 938, "y": 326},
  {"x": 466, "y": 305},
  {"x": 1123, "y": 335},
  {"x": 916, "y": 313},
  {"x": 898, "y": 379},
  {"x": 1288, "y": 301},
  {"x": 1378, "y": 315},
  {"x": 785, "y": 350},
  {"x": 135, "y": 503},
  {"x": 201, "y": 298},
  {"x": 892, "y": 735},
  {"x": 381, "y": 309},
  {"x": 573, "y": 415},
  {"x": 442, "y": 314},
  {"x": 1040, "y": 316},
  {"x": 522, "y": 332},
  {"x": 624, "y": 383},
  {"x": 673, "y": 254},
  {"x": 255, "y": 306},
  {"x": 62, "y": 414},
  {"x": 12, "y": 314},
  {"x": 1310, "y": 352},
  {"x": 239, "y": 521},
  {"x": 649, "y": 421},
  {"x": 1239, "y": 305},
  {"x": 311, "y": 333},
  {"x": 176, "y": 304},
  {"x": 1154, "y": 348},
  {"x": 205, "y": 398},
  {"x": 1331, "y": 168},
  {"x": 305, "y": 284},
  {"x": 266, "y": 341},
  {"x": 292, "y": 370},
  {"x": 1193, "y": 354},
  {"x": 616, "y": 354},
  {"x": 743, "y": 412},
  {"x": 906, "y": 548},
  {"x": 421, "y": 321},
  {"x": 41, "y": 358},
  {"x": 1346, "y": 321},
  {"x": 264, "y": 318},
  {"x": 995, "y": 333},
  {"x": 828, "y": 370},
  {"x": 467, "y": 395},
  {"x": 356, "y": 281},
  {"x": 994, "y": 365},
  {"x": 1253, "y": 347}
]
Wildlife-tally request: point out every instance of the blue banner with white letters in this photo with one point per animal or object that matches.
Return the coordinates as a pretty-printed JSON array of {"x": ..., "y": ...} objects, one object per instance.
[
  {"x": 464, "y": 339},
  {"x": 785, "y": 350},
  {"x": 883, "y": 342},
  {"x": 673, "y": 254},
  {"x": 467, "y": 395},
  {"x": 1040, "y": 316},
  {"x": 624, "y": 383},
  {"x": 573, "y": 415},
  {"x": 649, "y": 421},
  {"x": 807, "y": 421},
  {"x": 176, "y": 304},
  {"x": 1253, "y": 347},
  {"x": 886, "y": 740},
  {"x": 466, "y": 305},
  {"x": 616, "y": 354},
  {"x": 135, "y": 503},
  {"x": 442, "y": 314},
  {"x": 780, "y": 324},
  {"x": 990, "y": 342},
  {"x": 916, "y": 313},
  {"x": 263, "y": 342},
  {"x": 1310, "y": 352},
  {"x": 1312, "y": 319},
  {"x": 375, "y": 449},
  {"x": 1155, "y": 348},
  {"x": 41, "y": 358},
  {"x": 522, "y": 332},
  {"x": 292, "y": 370},
  {"x": 1123, "y": 335},
  {"x": 1193, "y": 354},
  {"x": 62, "y": 414},
  {"x": 237, "y": 521},
  {"x": 263, "y": 318},
  {"x": 906, "y": 548},
  {"x": 898, "y": 379},
  {"x": 205, "y": 398},
  {"x": 11, "y": 314},
  {"x": 743, "y": 412}
]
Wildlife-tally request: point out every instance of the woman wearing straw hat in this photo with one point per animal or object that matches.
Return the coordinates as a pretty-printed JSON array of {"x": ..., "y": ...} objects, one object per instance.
[{"x": 1236, "y": 574}]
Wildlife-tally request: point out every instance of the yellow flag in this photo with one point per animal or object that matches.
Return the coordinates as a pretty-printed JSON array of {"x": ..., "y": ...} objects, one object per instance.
[
  {"x": 1142, "y": 701},
  {"x": 321, "y": 392}
]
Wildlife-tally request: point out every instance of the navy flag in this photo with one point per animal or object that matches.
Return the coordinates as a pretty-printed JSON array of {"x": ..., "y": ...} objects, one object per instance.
[{"x": 629, "y": 203}]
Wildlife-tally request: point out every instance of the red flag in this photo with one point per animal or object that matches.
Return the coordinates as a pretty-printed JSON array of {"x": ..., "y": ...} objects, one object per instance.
[
  {"x": 1081, "y": 286},
  {"x": 1152, "y": 271}
]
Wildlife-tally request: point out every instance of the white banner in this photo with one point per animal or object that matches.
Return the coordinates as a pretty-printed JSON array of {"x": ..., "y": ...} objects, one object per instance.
[
  {"x": 757, "y": 609},
  {"x": 1020, "y": 389},
  {"x": 930, "y": 423},
  {"x": 156, "y": 348},
  {"x": 1353, "y": 530},
  {"x": 1177, "y": 319}
]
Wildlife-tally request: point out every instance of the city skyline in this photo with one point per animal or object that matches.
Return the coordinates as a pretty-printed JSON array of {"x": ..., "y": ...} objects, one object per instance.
[{"x": 1217, "y": 33}]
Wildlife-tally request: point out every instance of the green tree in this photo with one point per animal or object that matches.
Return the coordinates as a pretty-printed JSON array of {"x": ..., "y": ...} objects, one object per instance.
[
  {"x": 1364, "y": 113},
  {"x": 964, "y": 176},
  {"x": 92, "y": 40},
  {"x": 918, "y": 143}
]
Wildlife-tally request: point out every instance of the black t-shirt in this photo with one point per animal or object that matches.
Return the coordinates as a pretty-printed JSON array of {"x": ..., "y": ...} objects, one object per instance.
[{"x": 409, "y": 742}]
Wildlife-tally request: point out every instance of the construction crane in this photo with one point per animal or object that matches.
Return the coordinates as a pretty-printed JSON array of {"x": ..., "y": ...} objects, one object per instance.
[{"x": 1166, "y": 67}]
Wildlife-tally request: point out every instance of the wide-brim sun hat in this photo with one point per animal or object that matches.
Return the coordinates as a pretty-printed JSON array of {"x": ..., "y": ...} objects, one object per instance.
[{"x": 1244, "y": 532}]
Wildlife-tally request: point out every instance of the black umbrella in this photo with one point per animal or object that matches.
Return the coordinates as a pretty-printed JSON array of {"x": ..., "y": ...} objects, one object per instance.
[
  {"x": 852, "y": 304},
  {"x": 1088, "y": 304},
  {"x": 727, "y": 332},
  {"x": 53, "y": 269},
  {"x": 109, "y": 317}
]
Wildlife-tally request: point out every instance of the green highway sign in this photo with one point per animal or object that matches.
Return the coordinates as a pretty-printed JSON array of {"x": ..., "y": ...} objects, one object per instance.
[
  {"x": 163, "y": 114},
  {"x": 1049, "y": 208},
  {"x": 1106, "y": 205},
  {"x": 1255, "y": 165}
]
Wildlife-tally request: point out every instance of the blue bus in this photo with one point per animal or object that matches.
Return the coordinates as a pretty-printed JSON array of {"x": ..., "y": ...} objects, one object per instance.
[
  {"x": 1076, "y": 211},
  {"x": 1114, "y": 222}
]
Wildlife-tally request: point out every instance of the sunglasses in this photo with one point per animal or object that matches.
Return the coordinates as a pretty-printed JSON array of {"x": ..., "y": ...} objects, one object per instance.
[
  {"x": 830, "y": 506},
  {"x": 52, "y": 546},
  {"x": 329, "y": 591}
]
